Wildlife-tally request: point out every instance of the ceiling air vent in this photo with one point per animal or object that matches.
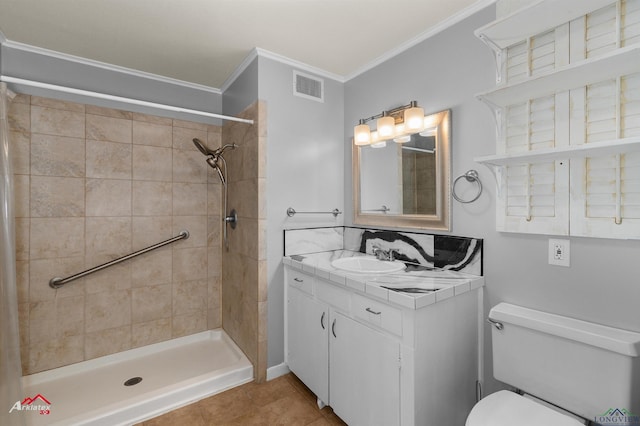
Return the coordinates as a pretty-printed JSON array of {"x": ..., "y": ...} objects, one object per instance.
[{"x": 307, "y": 86}]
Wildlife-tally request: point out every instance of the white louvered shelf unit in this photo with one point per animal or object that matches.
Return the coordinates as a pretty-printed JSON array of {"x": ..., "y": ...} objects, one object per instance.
[{"x": 567, "y": 111}]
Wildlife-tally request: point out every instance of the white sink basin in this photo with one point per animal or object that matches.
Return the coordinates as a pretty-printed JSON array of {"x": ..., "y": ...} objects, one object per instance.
[{"x": 367, "y": 265}]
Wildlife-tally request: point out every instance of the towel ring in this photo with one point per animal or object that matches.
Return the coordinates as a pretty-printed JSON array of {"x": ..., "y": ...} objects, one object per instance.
[{"x": 470, "y": 176}]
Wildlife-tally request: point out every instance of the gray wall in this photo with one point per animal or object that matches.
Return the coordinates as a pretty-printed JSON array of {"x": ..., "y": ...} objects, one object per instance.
[
  {"x": 304, "y": 171},
  {"x": 446, "y": 71},
  {"x": 64, "y": 71}
]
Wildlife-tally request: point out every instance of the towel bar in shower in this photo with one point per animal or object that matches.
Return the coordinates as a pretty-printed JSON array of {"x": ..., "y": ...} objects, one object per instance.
[
  {"x": 58, "y": 282},
  {"x": 291, "y": 212}
]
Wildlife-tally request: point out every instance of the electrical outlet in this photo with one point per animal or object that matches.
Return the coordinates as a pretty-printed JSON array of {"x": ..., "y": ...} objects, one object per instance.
[{"x": 559, "y": 252}]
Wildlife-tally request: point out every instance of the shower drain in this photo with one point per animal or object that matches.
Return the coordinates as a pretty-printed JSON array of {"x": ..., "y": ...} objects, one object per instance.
[{"x": 133, "y": 381}]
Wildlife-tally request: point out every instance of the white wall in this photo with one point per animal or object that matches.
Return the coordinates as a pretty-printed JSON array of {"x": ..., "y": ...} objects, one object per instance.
[{"x": 446, "y": 71}]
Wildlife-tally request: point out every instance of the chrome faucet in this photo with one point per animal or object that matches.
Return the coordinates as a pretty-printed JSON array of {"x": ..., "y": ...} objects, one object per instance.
[{"x": 381, "y": 254}]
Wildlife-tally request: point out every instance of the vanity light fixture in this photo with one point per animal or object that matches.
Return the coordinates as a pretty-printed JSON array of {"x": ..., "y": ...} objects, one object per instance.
[{"x": 397, "y": 124}]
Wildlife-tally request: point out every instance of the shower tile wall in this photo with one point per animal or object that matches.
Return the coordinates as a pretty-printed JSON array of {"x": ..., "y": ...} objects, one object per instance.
[
  {"x": 244, "y": 288},
  {"x": 93, "y": 184}
]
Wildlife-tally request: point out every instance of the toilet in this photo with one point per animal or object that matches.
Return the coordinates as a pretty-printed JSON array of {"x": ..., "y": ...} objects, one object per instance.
[{"x": 568, "y": 371}]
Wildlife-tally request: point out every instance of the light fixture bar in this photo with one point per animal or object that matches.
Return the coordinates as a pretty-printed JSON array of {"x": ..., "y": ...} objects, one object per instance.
[{"x": 395, "y": 123}]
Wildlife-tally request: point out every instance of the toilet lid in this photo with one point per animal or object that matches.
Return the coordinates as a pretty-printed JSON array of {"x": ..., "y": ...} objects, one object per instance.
[{"x": 505, "y": 408}]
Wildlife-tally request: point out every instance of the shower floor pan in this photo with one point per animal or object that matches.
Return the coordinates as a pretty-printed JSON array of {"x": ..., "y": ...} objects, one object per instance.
[{"x": 174, "y": 373}]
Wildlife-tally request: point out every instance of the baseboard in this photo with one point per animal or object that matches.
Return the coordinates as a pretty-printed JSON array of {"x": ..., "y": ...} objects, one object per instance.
[{"x": 277, "y": 371}]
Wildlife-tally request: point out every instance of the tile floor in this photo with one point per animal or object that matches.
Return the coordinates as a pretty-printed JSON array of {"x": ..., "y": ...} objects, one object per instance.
[{"x": 284, "y": 401}]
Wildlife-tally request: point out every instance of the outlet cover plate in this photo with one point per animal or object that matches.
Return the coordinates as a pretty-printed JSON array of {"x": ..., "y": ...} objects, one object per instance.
[{"x": 559, "y": 252}]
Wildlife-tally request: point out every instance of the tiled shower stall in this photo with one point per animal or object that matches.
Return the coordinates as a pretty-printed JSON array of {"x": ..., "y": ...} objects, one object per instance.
[{"x": 93, "y": 184}]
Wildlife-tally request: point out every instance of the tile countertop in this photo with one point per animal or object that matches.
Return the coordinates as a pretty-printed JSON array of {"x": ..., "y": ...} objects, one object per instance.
[{"x": 448, "y": 283}]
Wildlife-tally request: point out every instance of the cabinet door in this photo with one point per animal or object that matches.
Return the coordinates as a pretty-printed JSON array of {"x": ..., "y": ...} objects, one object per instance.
[
  {"x": 307, "y": 341},
  {"x": 364, "y": 374}
]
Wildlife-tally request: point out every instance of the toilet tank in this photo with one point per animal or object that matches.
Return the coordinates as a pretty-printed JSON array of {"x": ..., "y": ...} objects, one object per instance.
[{"x": 583, "y": 367}]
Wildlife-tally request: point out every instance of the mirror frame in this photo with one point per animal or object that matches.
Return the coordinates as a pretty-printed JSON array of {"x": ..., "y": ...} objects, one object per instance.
[{"x": 441, "y": 220}]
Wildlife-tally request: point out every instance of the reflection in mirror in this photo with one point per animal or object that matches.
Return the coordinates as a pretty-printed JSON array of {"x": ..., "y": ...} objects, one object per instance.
[{"x": 405, "y": 184}]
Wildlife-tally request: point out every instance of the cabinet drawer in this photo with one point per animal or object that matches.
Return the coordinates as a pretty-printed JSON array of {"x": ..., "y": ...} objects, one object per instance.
[
  {"x": 300, "y": 280},
  {"x": 379, "y": 314}
]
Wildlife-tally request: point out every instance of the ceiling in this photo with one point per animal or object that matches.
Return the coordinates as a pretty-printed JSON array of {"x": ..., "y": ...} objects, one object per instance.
[{"x": 203, "y": 41}]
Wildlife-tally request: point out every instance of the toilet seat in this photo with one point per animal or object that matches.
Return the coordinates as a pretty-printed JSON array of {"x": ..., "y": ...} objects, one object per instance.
[{"x": 505, "y": 408}]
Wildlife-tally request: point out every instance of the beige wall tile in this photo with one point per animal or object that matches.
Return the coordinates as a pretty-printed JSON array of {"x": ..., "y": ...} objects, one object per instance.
[
  {"x": 108, "y": 309},
  {"x": 108, "y": 197},
  {"x": 57, "y": 318},
  {"x": 190, "y": 296},
  {"x": 189, "y": 264},
  {"x": 56, "y": 237},
  {"x": 41, "y": 271},
  {"x": 197, "y": 227},
  {"x": 215, "y": 193},
  {"x": 152, "y": 198},
  {"x": 106, "y": 342},
  {"x": 20, "y": 147},
  {"x": 215, "y": 231},
  {"x": 57, "y": 104},
  {"x": 57, "y": 122},
  {"x": 23, "y": 324},
  {"x": 22, "y": 280},
  {"x": 108, "y": 112},
  {"x": 165, "y": 121},
  {"x": 108, "y": 160},
  {"x": 48, "y": 354},
  {"x": 101, "y": 128},
  {"x": 183, "y": 137},
  {"x": 19, "y": 117},
  {"x": 146, "y": 333},
  {"x": 189, "y": 166},
  {"x": 108, "y": 236},
  {"x": 57, "y": 156},
  {"x": 149, "y": 230},
  {"x": 56, "y": 196},
  {"x": 184, "y": 325},
  {"x": 21, "y": 195},
  {"x": 190, "y": 125},
  {"x": 156, "y": 134},
  {"x": 189, "y": 199},
  {"x": 116, "y": 277},
  {"x": 151, "y": 303},
  {"x": 22, "y": 238},
  {"x": 152, "y": 163},
  {"x": 153, "y": 268}
]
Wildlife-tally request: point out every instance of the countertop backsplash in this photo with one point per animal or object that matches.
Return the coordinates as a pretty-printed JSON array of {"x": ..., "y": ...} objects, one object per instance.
[{"x": 422, "y": 250}]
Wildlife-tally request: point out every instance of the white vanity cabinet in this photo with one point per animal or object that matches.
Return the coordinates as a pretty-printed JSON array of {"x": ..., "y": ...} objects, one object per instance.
[
  {"x": 376, "y": 362},
  {"x": 364, "y": 374}
]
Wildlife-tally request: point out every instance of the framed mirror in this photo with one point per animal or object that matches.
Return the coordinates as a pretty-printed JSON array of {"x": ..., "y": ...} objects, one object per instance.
[{"x": 405, "y": 185}]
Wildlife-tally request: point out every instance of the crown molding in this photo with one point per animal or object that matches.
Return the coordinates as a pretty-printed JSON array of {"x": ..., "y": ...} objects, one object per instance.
[
  {"x": 105, "y": 66},
  {"x": 452, "y": 20}
]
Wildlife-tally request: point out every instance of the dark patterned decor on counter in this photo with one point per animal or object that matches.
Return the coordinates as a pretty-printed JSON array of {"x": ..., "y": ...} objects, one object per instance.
[{"x": 417, "y": 250}]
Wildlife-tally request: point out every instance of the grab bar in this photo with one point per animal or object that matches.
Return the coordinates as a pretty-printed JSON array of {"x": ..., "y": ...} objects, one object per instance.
[
  {"x": 291, "y": 212},
  {"x": 58, "y": 282}
]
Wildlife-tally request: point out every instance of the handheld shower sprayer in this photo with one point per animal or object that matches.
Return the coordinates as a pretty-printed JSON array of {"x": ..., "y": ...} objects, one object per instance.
[
  {"x": 214, "y": 156},
  {"x": 218, "y": 163}
]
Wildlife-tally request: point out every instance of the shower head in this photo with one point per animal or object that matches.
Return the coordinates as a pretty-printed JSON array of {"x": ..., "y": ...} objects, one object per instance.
[{"x": 202, "y": 147}]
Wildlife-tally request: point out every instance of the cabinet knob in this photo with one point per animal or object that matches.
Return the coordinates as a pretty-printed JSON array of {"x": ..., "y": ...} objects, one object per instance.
[
  {"x": 322, "y": 320},
  {"x": 298, "y": 280},
  {"x": 333, "y": 328}
]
